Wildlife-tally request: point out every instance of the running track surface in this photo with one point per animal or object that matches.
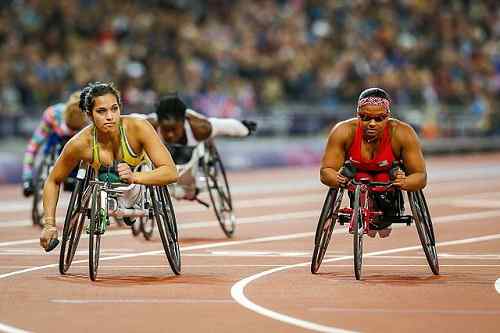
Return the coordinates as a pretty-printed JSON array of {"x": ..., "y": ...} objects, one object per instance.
[{"x": 260, "y": 280}]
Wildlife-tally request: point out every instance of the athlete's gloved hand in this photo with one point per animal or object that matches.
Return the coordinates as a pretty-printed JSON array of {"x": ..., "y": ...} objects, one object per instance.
[
  {"x": 251, "y": 125},
  {"x": 48, "y": 238},
  {"x": 27, "y": 188}
]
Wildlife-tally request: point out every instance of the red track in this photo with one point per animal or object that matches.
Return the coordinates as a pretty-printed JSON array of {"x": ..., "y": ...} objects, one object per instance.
[{"x": 219, "y": 289}]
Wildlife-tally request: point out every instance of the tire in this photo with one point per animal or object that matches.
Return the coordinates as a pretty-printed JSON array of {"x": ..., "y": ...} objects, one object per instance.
[
  {"x": 136, "y": 228},
  {"x": 357, "y": 217},
  {"x": 95, "y": 231},
  {"x": 147, "y": 224},
  {"x": 163, "y": 212},
  {"x": 73, "y": 224},
  {"x": 218, "y": 189},
  {"x": 423, "y": 222},
  {"x": 41, "y": 175},
  {"x": 324, "y": 229}
]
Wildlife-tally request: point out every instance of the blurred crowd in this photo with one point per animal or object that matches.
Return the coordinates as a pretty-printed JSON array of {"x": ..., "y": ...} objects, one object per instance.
[{"x": 231, "y": 56}]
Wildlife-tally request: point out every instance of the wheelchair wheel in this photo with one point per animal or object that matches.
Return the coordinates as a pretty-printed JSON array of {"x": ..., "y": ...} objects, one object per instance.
[
  {"x": 163, "y": 212},
  {"x": 326, "y": 223},
  {"x": 218, "y": 189},
  {"x": 147, "y": 224},
  {"x": 97, "y": 218},
  {"x": 74, "y": 223},
  {"x": 425, "y": 230},
  {"x": 357, "y": 217},
  {"x": 41, "y": 175},
  {"x": 136, "y": 228}
]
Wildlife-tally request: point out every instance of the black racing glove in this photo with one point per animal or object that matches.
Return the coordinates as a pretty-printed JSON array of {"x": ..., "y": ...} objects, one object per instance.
[
  {"x": 251, "y": 125},
  {"x": 27, "y": 188}
]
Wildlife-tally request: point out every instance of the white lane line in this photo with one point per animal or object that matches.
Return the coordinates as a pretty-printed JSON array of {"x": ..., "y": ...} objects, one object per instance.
[
  {"x": 412, "y": 311},
  {"x": 196, "y": 247},
  {"x": 276, "y": 218},
  {"x": 140, "y": 301},
  {"x": 238, "y": 289},
  {"x": 467, "y": 200},
  {"x": 497, "y": 285},
  {"x": 10, "y": 329}
]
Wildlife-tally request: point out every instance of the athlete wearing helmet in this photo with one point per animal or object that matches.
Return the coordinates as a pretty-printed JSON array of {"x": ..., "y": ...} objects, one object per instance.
[{"x": 372, "y": 142}]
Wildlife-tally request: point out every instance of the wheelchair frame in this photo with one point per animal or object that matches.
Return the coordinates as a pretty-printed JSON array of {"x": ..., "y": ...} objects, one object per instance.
[
  {"x": 156, "y": 204},
  {"x": 205, "y": 154},
  {"x": 362, "y": 214}
]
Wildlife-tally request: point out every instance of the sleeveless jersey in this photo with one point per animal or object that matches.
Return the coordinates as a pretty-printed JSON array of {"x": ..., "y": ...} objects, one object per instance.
[{"x": 377, "y": 169}]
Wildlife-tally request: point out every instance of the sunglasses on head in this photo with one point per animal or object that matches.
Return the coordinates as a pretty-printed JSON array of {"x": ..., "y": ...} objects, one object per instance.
[{"x": 379, "y": 118}]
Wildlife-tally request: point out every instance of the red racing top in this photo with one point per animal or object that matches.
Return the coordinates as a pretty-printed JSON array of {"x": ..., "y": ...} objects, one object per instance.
[{"x": 377, "y": 169}]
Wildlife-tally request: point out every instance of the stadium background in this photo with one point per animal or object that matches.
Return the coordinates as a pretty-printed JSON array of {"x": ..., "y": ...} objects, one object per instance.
[{"x": 294, "y": 66}]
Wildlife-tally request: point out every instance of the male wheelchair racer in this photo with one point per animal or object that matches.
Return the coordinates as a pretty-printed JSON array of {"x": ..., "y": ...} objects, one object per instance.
[
  {"x": 366, "y": 213},
  {"x": 97, "y": 198},
  {"x": 211, "y": 178}
]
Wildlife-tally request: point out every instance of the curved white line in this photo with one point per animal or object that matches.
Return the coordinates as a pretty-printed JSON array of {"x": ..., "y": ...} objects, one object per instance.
[
  {"x": 238, "y": 289},
  {"x": 10, "y": 329},
  {"x": 497, "y": 285}
]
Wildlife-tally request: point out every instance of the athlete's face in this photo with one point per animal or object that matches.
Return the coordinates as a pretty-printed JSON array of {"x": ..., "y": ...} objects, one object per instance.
[
  {"x": 106, "y": 113},
  {"x": 373, "y": 119},
  {"x": 171, "y": 131}
]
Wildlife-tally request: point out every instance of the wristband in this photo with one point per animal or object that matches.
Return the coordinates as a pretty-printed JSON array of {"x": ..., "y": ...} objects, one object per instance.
[{"x": 47, "y": 219}]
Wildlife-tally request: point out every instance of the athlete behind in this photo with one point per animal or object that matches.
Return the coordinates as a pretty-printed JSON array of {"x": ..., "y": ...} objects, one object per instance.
[
  {"x": 177, "y": 124},
  {"x": 110, "y": 137},
  {"x": 59, "y": 123},
  {"x": 372, "y": 142}
]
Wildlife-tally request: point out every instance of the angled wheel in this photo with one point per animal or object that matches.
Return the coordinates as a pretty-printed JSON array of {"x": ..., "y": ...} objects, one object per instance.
[
  {"x": 74, "y": 222},
  {"x": 163, "y": 212},
  {"x": 41, "y": 174},
  {"x": 147, "y": 224},
  {"x": 136, "y": 228},
  {"x": 324, "y": 229},
  {"x": 98, "y": 218},
  {"x": 218, "y": 189},
  {"x": 423, "y": 222},
  {"x": 358, "y": 228}
]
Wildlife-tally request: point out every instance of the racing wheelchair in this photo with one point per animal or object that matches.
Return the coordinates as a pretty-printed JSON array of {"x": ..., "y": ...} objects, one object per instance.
[
  {"x": 211, "y": 178},
  {"x": 95, "y": 198},
  {"x": 50, "y": 151},
  {"x": 363, "y": 215}
]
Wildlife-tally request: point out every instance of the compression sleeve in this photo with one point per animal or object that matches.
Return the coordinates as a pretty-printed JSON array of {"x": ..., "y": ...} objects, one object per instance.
[
  {"x": 228, "y": 127},
  {"x": 44, "y": 129}
]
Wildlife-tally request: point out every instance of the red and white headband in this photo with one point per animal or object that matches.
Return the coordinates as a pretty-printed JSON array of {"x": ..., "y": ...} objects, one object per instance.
[{"x": 375, "y": 101}]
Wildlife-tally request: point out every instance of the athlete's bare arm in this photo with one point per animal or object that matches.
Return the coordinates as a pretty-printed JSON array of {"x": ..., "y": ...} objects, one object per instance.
[
  {"x": 165, "y": 171},
  {"x": 335, "y": 152},
  {"x": 413, "y": 160},
  {"x": 72, "y": 153},
  {"x": 202, "y": 129}
]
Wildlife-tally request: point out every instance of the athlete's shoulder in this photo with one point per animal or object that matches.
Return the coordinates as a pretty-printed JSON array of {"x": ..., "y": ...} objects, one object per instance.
[
  {"x": 402, "y": 129},
  {"x": 344, "y": 128},
  {"x": 190, "y": 113},
  {"x": 80, "y": 141}
]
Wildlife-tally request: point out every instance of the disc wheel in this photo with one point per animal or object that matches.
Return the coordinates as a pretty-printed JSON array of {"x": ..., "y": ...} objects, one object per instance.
[
  {"x": 324, "y": 229},
  {"x": 163, "y": 212},
  {"x": 423, "y": 222},
  {"x": 218, "y": 189}
]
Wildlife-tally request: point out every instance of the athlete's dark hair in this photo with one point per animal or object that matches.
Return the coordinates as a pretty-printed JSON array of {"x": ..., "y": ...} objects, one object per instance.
[
  {"x": 374, "y": 92},
  {"x": 96, "y": 89},
  {"x": 171, "y": 107}
]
